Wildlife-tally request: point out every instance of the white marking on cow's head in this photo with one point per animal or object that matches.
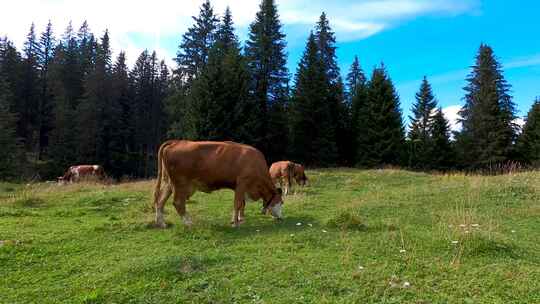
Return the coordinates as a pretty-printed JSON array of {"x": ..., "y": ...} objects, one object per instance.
[
  {"x": 276, "y": 211},
  {"x": 95, "y": 167}
]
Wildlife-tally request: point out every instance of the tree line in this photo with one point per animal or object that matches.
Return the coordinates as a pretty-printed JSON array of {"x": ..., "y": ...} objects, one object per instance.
[{"x": 67, "y": 101}]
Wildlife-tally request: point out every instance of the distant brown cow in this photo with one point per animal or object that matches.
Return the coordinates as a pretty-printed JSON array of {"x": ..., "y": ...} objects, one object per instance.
[
  {"x": 76, "y": 173},
  {"x": 189, "y": 166},
  {"x": 283, "y": 173}
]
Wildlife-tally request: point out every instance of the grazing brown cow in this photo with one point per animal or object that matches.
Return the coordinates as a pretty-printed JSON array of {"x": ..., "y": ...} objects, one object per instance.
[
  {"x": 189, "y": 166},
  {"x": 283, "y": 172},
  {"x": 300, "y": 175},
  {"x": 76, "y": 173}
]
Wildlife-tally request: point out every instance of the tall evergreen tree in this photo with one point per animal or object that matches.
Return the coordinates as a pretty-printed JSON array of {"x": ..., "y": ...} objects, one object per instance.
[
  {"x": 122, "y": 151},
  {"x": 355, "y": 79},
  {"x": 313, "y": 138},
  {"x": 357, "y": 99},
  {"x": 93, "y": 122},
  {"x": 529, "y": 141},
  {"x": 28, "y": 103},
  {"x": 440, "y": 149},
  {"x": 326, "y": 42},
  {"x": 11, "y": 151},
  {"x": 266, "y": 58},
  {"x": 381, "y": 140},
  {"x": 45, "y": 106},
  {"x": 488, "y": 131},
  {"x": 196, "y": 43},
  {"x": 421, "y": 126},
  {"x": 220, "y": 96}
]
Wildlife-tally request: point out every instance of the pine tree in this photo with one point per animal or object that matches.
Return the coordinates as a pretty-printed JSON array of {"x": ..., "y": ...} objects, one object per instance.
[
  {"x": 381, "y": 139},
  {"x": 421, "y": 125},
  {"x": 529, "y": 141},
  {"x": 11, "y": 152},
  {"x": 355, "y": 80},
  {"x": 357, "y": 98},
  {"x": 312, "y": 129},
  {"x": 28, "y": 103},
  {"x": 266, "y": 58},
  {"x": 326, "y": 42},
  {"x": 220, "y": 96},
  {"x": 122, "y": 152},
  {"x": 94, "y": 124},
  {"x": 488, "y": 131},
  {"x": 196, "y": 43},
  {"x": 65, "y": 83},
  {"x": 440, "y": 149},
  {"x": 45, "y": 107}
]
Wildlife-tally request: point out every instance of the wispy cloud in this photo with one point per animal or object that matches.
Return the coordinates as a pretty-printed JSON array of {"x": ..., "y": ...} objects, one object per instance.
[{"x": 168, "y": 19}]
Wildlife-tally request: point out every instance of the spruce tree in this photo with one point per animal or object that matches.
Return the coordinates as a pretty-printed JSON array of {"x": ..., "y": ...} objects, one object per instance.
[
  {"x": 93, "y": 123},
  {"x": 196, "y": 43},
  {"x": 121, "y": 143},
  {"x": 421, "y": 125},
  {"x": 356, "y": 99},
  {"x": 355, "y": 79},
  {"x": 488, "y": 131},
  {"x": 529, "y": 141},
  {"x": 326, "y": 42},
  {"x": 45, "y": 106},
  {"x": 266, "y": 58},
  {"x": 312, "y": 128},
  {"x": 440, "y": 149},
  {"x": 11, "y": 151},
  {"x": 27, "y": 105},
  {"x": 220, "y": 96},
  {"x": 381, "y": 139}
]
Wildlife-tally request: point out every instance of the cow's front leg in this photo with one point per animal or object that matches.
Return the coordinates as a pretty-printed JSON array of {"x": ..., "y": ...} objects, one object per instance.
[
  {"x": 180, "y": 198},
  {"x": 238, "y": 211}
]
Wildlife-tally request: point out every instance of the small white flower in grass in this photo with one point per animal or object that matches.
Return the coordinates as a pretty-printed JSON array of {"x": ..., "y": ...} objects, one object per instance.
[
  {"x": 406, "y": 284},
  {"x": 258, "y": 230},
  {"x": 402, "y": 251},
  {"x": 513, "y": 231},
  {"x": 450, "y": 226},
  {"x": 292, "y": 234},
  {"x": 475, "y": 225},
  {"x": 298, "y": 224},
  {"x": 455, "y": 242},
  {"x": 324, "y": 231},
  {"x": 310, "y": 225},
  {"x": 466, "y": 231},
  {"x": 360, "y": 267},
  {"x": 462, "y": 225}
]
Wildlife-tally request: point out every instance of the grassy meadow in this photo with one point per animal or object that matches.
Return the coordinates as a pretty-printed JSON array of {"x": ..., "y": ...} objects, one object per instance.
[{"x": 352, "y": 236}]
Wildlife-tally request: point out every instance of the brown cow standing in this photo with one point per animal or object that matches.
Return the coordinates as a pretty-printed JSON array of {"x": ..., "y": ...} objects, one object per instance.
[
  {"x": 189, "y": 166},
  {"x": 76, "y": 173},
  {"x": 283, "y": 172}
]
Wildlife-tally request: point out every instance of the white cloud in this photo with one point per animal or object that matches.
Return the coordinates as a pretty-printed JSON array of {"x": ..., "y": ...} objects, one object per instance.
[
  {"x": 152, "y": 21},
  {"x": 451, "y": 113}
]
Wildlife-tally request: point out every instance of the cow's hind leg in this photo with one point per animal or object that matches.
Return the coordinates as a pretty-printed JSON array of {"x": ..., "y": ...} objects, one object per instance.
[
  {"x": 181, "y": 195},
  {"x": 167, "y": 191}
]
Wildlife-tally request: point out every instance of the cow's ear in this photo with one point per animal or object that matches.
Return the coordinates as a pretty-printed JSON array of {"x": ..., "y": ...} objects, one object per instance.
[{"x": 279, "y": 191}]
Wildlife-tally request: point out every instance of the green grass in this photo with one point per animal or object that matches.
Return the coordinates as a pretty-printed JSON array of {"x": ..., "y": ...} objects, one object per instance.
[{"x": 363, "y": 235}]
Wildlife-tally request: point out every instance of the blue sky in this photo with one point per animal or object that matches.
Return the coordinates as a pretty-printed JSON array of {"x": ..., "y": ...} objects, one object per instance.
[{"x": 436, "y": 38}]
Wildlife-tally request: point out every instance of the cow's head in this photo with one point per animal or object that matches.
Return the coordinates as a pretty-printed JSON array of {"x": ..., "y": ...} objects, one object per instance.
[
  {"x": 61, "y": 180},
  {"x": 300, "y": 175},
  {"x": 274, "y": 205}
]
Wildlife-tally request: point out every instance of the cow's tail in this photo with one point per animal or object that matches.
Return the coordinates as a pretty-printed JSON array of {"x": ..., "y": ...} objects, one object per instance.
[{"x": 161, "y": 171}]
